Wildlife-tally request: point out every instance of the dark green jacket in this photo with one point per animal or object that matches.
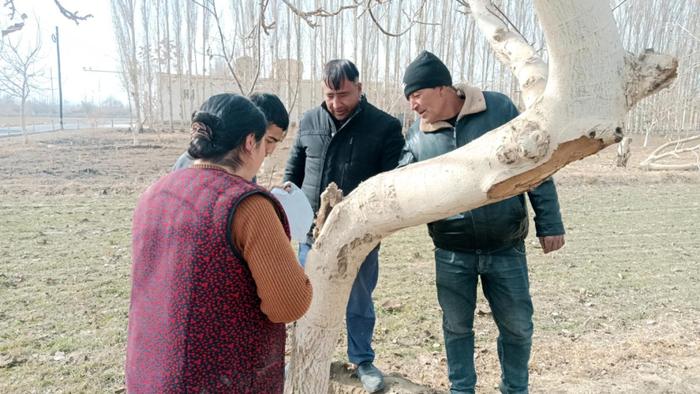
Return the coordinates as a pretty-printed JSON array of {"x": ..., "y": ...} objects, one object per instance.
[{"x": 492, "y": 227}]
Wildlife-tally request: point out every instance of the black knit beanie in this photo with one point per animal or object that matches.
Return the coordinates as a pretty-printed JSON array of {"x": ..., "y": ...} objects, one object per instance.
[{"x": 425, "y": 71}]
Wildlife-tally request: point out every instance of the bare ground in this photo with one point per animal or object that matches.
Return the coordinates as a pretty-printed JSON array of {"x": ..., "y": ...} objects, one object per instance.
[{"x": 616, "y": 311}]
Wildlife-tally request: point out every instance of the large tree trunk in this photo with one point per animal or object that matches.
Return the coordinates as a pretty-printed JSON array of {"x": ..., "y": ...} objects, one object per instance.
[{"x": 590, "y": 88}]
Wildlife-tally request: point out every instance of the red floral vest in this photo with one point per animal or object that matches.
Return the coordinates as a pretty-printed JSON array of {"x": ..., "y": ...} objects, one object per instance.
[{"x": 195, "y": 323}]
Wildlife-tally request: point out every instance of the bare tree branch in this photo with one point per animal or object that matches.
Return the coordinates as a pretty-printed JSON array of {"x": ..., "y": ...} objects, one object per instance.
[
  {"x": 260, "y": 27},
  {"x": 210, "y": 7},
  {"x": 412, "y": 20},
  {"x": 71, "y": 15},
  {"x": 309, "y": 16},
  {"x": 11, "y": 5},
  {"x": 688, "y": 31},
  {"x": 652, "y": 162},
  {"x": 17, "y": 75},
  {"x": 509, "y": 22},
  {"x": 265, "y": 27},
  {"x": 621, "y": 3},
  {"x": 13, "y": 28},
  {"x": 467, "y": 10}
]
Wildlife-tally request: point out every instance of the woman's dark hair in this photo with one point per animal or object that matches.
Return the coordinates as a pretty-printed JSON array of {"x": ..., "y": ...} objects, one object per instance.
[
  {"x": 335, "y": 71},
  {"x": 272, "y": 107},
  {"x": 221, "y": 125}
]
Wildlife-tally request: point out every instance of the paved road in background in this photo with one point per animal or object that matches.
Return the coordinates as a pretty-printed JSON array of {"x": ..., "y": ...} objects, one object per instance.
[{"x": 12, "y": 131}]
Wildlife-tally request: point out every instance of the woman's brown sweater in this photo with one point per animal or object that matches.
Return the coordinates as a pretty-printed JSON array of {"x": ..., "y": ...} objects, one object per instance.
[{"x": 282, "y": 285}]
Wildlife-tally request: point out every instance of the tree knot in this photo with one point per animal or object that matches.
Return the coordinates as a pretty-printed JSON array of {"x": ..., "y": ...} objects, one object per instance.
[{"x": 525, "y": 141}]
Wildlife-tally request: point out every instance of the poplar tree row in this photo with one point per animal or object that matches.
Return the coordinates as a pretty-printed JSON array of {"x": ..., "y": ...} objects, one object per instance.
[{"x": 175, "y": 53}]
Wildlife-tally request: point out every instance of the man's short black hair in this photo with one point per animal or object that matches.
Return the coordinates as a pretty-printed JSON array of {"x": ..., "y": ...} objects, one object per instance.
[
  {"x": 335, "y": 71},
  {"x": 272, "y": 107}
]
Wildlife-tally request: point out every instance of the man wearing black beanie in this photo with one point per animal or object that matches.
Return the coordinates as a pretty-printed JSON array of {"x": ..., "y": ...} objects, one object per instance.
[
  {"x": 426, "y": 71},
  {"x": 486, "y": 242}
]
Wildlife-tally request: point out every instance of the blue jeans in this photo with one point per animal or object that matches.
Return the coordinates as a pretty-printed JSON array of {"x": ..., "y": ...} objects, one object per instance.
[
  {"x": 505, "y": 284},
  {"x": 359, "y": 314}
]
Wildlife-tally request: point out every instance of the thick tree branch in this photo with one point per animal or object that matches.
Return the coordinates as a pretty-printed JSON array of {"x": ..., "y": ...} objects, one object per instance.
[
  {"x": 648, "y": 73},
  {"x": 329, "y": 199},
  {"x": 512, "y": 50}
]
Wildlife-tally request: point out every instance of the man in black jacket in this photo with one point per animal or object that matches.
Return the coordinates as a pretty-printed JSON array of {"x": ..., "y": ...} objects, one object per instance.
[
  {"x": 486, "y": 242},
  {"x": 347, "y": 140}
]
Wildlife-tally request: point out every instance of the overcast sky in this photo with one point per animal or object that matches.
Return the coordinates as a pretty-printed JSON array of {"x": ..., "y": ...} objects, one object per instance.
[{"x": 89, "y": 45}]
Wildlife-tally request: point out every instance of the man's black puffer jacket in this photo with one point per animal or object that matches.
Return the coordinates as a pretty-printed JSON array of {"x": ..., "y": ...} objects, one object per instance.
[{"x": 368, "y": 143}]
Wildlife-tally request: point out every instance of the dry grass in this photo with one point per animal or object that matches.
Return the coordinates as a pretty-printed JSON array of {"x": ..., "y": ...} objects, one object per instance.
[{"x": 615, "y": 311}]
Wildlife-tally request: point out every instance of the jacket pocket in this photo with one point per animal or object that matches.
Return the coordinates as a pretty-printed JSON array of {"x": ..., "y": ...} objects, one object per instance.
[{"x": 314, "y": 142}]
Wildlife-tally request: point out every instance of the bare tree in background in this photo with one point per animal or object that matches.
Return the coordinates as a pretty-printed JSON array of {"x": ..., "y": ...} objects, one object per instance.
[
  {"x": 18, "y": 73},
  {"x": 158, "y": 59},
  {"x": 205, "y": 51},
  {"x": 178, "y": 57},
  {"x": 209, "y": 7},
  {"x": 674, "y": 113},
  {"x": 166, "y": 45},
  {"x": 123, "y": 19},
  {"x": 147, "y": 56},
  {"x": 191, "y": 41},
  {"x": 381, "y": 37}
]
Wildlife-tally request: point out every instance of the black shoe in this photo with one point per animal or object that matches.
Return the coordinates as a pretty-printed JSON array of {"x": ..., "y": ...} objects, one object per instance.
[{"x": 371, "y": 377}]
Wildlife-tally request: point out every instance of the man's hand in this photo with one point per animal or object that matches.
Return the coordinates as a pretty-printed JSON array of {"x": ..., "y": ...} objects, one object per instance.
[{"x": 551, "y": 243}]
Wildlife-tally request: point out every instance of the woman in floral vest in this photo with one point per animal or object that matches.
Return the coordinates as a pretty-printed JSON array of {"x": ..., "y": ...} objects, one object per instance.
[{"x": 214, "y": 275}]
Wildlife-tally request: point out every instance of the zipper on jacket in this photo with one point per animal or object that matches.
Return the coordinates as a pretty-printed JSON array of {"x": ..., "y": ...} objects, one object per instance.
[
  {"x": 347, "y": 163},
  {"x": 350, "y": 149},
  {"x": 325, "y": 152}
]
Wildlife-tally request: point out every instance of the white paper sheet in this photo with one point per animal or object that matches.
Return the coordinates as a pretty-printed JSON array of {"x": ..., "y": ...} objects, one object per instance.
[{"x": 298, "y": 210}]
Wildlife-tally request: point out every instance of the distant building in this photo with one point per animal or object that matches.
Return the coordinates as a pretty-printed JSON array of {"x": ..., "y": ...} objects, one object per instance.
[{"x": 298, "y": 94}]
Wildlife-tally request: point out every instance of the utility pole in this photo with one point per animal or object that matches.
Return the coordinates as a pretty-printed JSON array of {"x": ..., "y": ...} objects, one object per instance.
[{"x": 54, "y": 38}]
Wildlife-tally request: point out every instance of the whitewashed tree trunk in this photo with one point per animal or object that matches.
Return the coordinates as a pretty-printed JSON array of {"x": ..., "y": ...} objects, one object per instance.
[
  {"x": 524, "y": 63},
  {"x": 623, "y": 152},
  {"x": 589, "y": 90}
]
